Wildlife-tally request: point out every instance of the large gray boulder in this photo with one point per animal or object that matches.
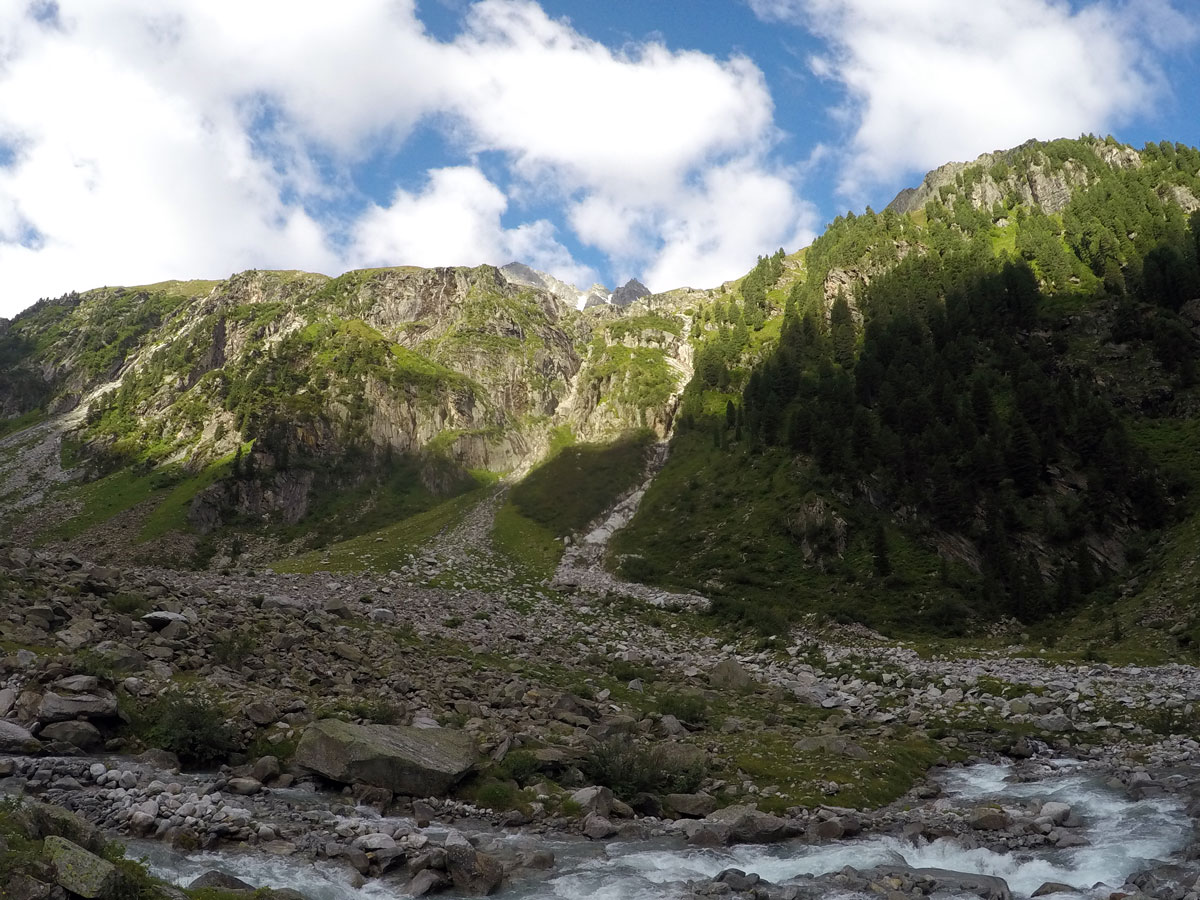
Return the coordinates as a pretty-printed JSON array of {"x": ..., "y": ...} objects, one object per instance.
[
  {"x": 55, "y": 707},
  {"x": 15, "y": 739},
  {"x": 78, "y": 871},
  {"x": 749, "y": 826},
  {"x": 419, "y": 762}
]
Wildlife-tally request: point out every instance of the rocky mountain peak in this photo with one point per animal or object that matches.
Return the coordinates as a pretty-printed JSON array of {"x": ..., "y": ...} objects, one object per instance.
[{"x": 629, "y": 292}]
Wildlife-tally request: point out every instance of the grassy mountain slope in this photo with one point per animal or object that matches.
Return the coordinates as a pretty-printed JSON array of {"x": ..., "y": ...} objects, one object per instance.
[
  {"x": 970, "y": 408},
  {"x": 323, "y": 407}
]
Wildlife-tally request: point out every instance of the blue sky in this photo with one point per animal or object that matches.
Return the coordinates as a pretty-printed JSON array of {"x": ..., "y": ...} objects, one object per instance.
[{"x": 142, "y": 140}]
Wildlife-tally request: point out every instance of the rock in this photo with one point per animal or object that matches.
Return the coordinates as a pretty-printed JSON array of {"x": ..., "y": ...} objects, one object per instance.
[
  {"x": 473, "y": 873},
  {"x": 78, "y": 871},
  {"x": 706, "y": 833},
  {"x": 597, "y": 827},
  {"x": 1056, "y": 812},
  {"x": 265, "y": 769},
  {"x": 160, "y": 619},
  {"x": 737, "y": 879},
  {"x": 989, "y": 887},
  {"x": 83, "y": 735},
  {"x": 15, "y": 739},
  {"x": 427, "y": 881},
  {"x": 414, "y": 761},
  {"x": 828, "y": 829},
  {"x": 21, "y": 887},
  {"x": 749, "y": 826},
  {"x": 692, "y": 806},
  {"x": 1053, "y": 887},
  {"x": 215, "y": 880},
  {"x": 594, "y": 800},
  {"x": 986, "y": 818},
  {"x": 244, "y": 787},
  {"x": 59, "y": 708},
  {"x": 261, "y": 712},
  {"x": 728, "y": 673},
  {"x": 1053, "y": 722}
]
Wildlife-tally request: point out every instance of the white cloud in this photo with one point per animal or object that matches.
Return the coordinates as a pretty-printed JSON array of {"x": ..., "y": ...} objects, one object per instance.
[
  {"x": 933, "y": 80},
  {"x": 455, "y": 220},
  {"x": 184, "y": 140}
]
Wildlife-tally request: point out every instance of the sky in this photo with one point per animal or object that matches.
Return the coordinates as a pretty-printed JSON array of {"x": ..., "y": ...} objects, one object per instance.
[{"x": 145, "y": 140}]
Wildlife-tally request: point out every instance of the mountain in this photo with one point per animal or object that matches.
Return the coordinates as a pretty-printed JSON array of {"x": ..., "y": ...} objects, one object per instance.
[
  {"x": 329, "y": 404},
  {"x": 974, "y": 407},
  {"x": 969, "y": 410},
  {"x": 630, "y": 291}
]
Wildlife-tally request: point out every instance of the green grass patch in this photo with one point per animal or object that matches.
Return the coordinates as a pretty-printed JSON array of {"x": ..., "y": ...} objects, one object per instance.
[
  {"x": 734, "y": 525},
  {"x": 171, "y": 514},
  {"x": 566, "y": 493},
  {"x": 387, "y": 548},
  {"x": 531, "y": 546},
  {"x": 20, "y": 423},
  {"x": 111, "y": 495}
]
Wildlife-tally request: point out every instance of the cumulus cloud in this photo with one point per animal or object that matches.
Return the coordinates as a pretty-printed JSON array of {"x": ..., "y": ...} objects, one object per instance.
[
  {"x": 192, "y": 139},
  {"x": 934, "y": 80},
  {"x": 456, "y": 220}
]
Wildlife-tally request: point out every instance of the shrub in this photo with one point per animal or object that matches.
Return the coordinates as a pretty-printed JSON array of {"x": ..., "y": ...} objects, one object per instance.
[
  {"x": 233, "y": 648},
  {"x": 629, "y": 769},
  {"x": 497, "y": 795},
  {"x": 192, "y": 726},
  {"x": 372, "y": 709},
  {"x": 685, "y": 707},
  {"x": 519, "y": 765},
  {"x": 128, "y": 604}
]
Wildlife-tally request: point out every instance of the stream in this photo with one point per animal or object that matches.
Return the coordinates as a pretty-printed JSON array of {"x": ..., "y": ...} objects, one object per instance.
[{"x": 1123, "y": 836}]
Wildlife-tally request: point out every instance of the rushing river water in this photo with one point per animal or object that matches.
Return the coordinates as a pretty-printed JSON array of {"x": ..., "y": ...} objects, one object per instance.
[{"x": 1124, "y": 835}]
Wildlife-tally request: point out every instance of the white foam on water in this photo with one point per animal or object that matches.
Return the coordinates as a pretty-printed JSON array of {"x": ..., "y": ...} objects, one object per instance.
[{"x": 1124, "y": 834}]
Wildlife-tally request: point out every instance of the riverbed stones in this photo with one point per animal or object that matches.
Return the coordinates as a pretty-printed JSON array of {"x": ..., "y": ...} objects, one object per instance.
[
  {"x": 78, "y": 871},
  {"x": 419, "y": 762}
]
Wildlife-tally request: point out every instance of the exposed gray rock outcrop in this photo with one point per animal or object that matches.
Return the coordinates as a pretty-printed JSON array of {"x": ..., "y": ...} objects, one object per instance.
[{"x": 421, "y": 762}]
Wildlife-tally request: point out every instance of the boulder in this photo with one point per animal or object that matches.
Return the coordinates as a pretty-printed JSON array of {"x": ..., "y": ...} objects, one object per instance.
[
  {"x": 1058, "y": 813},
  {"x": 15, "y": 739},
  {"x": 728, "y": 673},
  {"x": 261, "y": 712},
  {"x": 427, "y": 881},
  {"x": 78, "y": 871},
  {"x": 55, "y": 707},
  {"x": 597, "y": 827},
  {"x": 83, "y": 735},
  {"x": 420, "y": 762},
  {"x": 692, "y": 806},
  {"x": 22, "y": 887},
  {"x": 987, "y": 818},
  {"x": 594, "y": 800},
  {"x": 1053, "y": 887},
  {"x": 473, "y": 873},
  {"x": 215, "y": 880},
  {"x": 160, "y": 619},
  {"x": 244, "y": 787},
  {"x": 989, "y": 887},
  {"x": 749, "y": 826}
]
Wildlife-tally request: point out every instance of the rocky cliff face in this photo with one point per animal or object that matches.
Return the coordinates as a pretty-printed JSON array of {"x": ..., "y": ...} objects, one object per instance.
[{"x": 471, "y": 368}]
